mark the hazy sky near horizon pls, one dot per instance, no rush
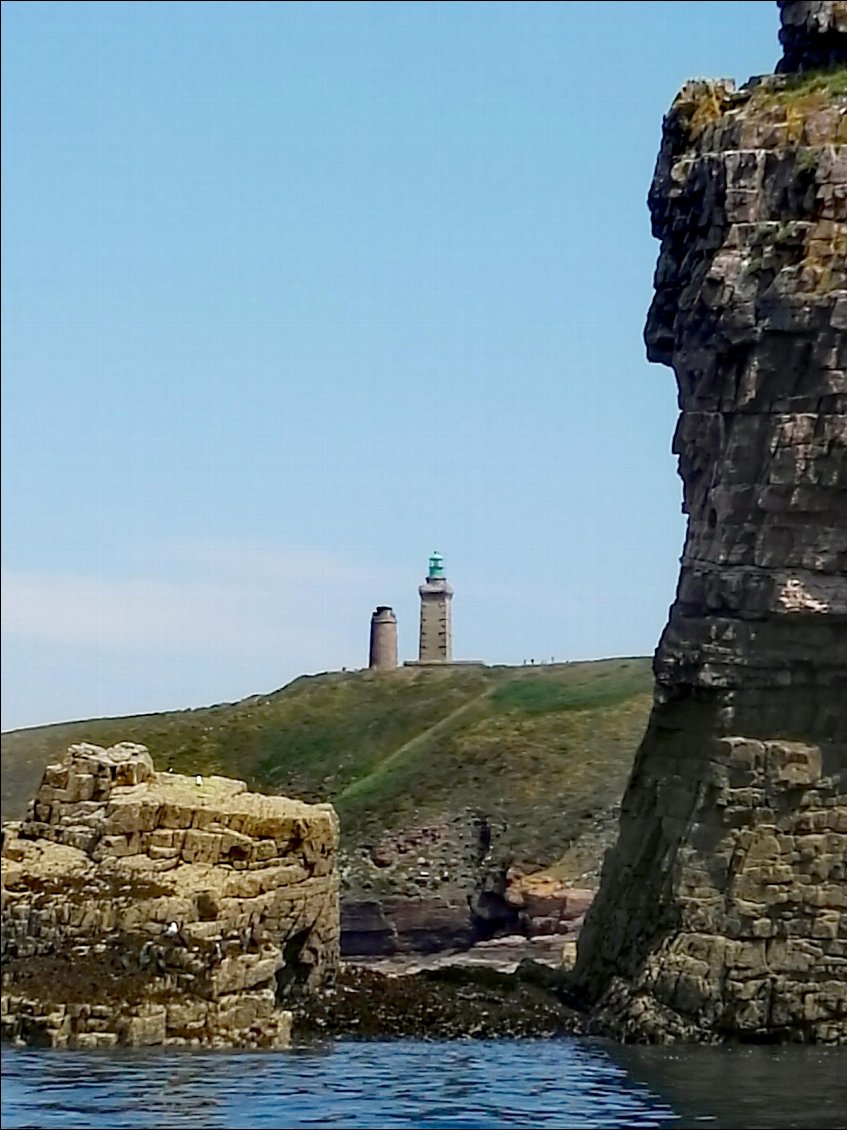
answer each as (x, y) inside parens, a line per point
(295, 293)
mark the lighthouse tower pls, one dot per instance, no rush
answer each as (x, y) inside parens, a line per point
(436, 642)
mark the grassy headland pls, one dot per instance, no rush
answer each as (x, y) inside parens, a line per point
(542, 752)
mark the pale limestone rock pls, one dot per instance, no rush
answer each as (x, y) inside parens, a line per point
(139, 908)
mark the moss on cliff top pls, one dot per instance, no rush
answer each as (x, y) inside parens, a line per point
(793, 88)
(775, 100)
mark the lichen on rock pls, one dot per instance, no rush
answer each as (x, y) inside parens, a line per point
(154, 908)
(722, 911)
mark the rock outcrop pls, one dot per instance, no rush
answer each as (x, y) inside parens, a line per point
(722, 911)
(442, 887)
(421, 889)
(153, 908)
(546, 905)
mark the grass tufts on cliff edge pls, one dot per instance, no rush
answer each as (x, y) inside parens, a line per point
(543, 752)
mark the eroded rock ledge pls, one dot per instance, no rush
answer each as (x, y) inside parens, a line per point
(722, 911)
(152, 908)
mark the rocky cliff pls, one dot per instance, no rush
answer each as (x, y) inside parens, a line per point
(154, 908)
(722, 911)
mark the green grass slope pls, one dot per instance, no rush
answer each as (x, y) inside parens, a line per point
(543, 752)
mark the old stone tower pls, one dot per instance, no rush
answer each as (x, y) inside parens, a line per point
(383, 650)
(436, 642)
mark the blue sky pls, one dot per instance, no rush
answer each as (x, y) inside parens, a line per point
(295, 293)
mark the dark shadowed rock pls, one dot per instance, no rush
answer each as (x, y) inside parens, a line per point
(405, 925)
(813, 34)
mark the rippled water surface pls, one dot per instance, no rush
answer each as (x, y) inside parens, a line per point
(503, 1083)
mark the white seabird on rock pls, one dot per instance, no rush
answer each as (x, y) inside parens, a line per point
(198, 780)
(172, 928)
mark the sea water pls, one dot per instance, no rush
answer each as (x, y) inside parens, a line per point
(409, 1083)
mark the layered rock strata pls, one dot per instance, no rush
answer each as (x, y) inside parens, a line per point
(152, 908)
(722, 911)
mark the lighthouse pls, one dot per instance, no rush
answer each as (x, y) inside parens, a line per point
(436, 642)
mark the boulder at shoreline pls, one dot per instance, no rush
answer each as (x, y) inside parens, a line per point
(156, 908)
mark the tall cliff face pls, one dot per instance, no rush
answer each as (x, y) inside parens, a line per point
(723, 908)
